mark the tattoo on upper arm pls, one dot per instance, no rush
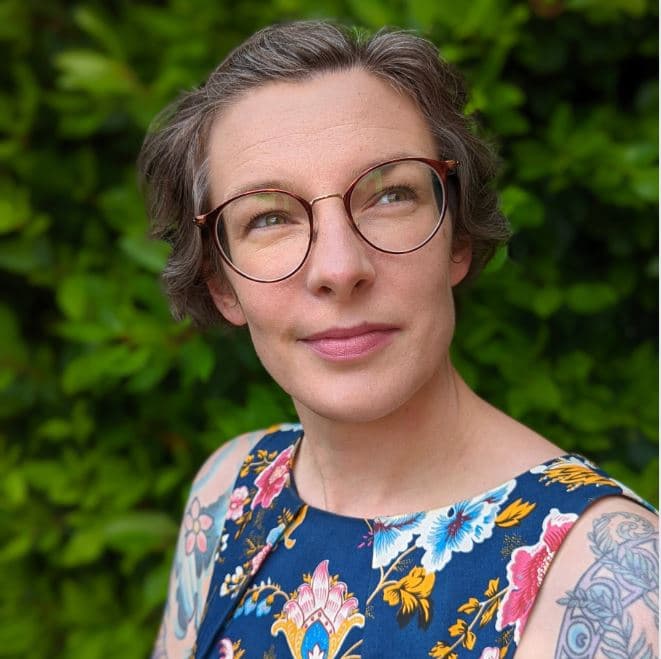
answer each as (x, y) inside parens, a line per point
(613, 611)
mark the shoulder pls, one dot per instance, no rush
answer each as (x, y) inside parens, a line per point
(200, 533)
(600, 594)
(219, 471)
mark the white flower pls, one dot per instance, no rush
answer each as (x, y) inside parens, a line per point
(316, 653)
(490, 653)
(231, 582)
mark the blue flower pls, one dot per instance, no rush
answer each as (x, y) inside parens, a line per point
(457, 528)
(263, 608)
(391, 536)
(249, 605)
(274, 534)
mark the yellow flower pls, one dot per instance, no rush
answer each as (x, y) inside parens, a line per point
(460, 628)
(238, 650)
(442, 651)
(573, 475)
(412, 593)
(514, 513)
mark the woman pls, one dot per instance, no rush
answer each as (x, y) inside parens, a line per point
(338, 199)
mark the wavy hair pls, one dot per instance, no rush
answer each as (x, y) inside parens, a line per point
(173, 162)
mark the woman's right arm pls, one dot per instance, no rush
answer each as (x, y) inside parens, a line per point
(200, 533)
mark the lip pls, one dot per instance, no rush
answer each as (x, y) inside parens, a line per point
(350, 343)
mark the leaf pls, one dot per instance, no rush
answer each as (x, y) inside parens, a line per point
(469, 607)
(547, 301)
(458, 628)
(590, 298)
(489, 612)
(613, 654)
(15, 209)
(638, 645)
(615, 643)
(521, 207)
(93, 72)
(84, 547)
(498, 261)
(514, 513)
(102, 365)
(442, 651)
(149, 254)
(146, 529)
(492, 588)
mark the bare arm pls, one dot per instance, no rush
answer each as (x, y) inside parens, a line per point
(599, 599)
(200, 533)
(614, 609)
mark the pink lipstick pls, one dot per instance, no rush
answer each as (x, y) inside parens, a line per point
(346, 344)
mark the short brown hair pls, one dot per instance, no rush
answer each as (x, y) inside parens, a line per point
(173, 160)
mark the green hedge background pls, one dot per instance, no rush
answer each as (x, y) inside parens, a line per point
(108, 407)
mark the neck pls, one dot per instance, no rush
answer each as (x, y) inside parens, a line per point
(410, 460)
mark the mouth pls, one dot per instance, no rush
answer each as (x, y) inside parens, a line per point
(350, 343)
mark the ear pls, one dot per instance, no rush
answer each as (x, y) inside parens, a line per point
(226, 301)
(460, 260)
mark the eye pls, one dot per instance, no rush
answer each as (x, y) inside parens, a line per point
(395, 195)
(266, 220)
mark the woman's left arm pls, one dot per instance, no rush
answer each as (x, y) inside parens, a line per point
(600, 596)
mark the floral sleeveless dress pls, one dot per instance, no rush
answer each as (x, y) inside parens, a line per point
(457, 582)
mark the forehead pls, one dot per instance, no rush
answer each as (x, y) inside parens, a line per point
(313, 135)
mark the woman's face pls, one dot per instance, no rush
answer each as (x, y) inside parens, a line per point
(356, 333)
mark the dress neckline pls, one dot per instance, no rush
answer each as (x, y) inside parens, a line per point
(483, 496)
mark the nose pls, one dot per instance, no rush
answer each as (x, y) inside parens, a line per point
(339, 264)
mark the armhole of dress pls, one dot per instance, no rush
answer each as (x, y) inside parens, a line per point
(206, 576)
(623, 493)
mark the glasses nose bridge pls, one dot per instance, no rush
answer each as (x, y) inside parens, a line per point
(337, 195)
(334, 195)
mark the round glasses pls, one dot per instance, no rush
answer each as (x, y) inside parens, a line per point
(396, 207)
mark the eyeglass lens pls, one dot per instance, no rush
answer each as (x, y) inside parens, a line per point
(396, 208)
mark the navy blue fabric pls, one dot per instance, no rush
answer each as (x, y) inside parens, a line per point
(296, 581)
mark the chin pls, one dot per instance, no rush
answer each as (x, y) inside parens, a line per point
(350, 407)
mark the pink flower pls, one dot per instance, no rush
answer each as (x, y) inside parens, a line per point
(527, 568)
(319, 600)
(271, 481)
(226, 651)
(238, 499)
(259, 557)
(490, 653)
(197, 524)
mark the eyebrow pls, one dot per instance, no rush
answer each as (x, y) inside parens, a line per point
(284, 184)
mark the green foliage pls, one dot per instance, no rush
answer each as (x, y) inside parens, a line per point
(108, 407)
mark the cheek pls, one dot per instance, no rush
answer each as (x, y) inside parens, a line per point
(266, 308)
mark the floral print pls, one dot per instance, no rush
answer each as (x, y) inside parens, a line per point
(459, 527)
(412, 594)
(390, 536)
(573, 473)
(259, 557)
(229, 650)
(238, 500)
(317, 618)
(197, 524)
(527, 568)
(232, 582)
(456, 582)
(271, 481)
